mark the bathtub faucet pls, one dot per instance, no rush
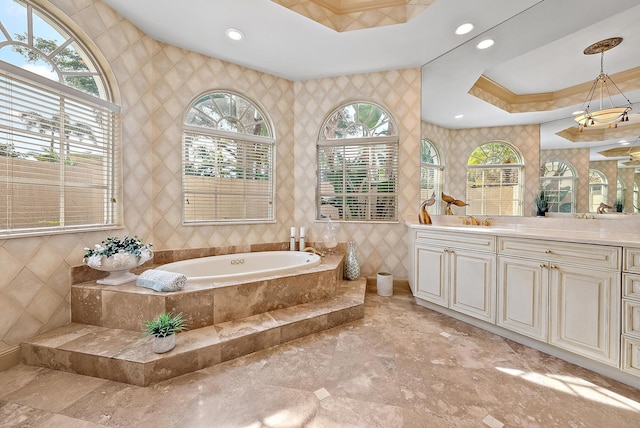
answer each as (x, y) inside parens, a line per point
(313, 250)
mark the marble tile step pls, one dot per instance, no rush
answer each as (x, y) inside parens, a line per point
(126, 356)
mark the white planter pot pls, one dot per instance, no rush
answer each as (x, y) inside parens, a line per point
(164, 344)
(118, 267)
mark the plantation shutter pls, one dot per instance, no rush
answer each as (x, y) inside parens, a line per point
(358, 180)
(58, 156)
(227, 179)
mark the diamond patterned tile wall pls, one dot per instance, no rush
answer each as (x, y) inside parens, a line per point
(457, 145)
(579, 159)
(379, 246)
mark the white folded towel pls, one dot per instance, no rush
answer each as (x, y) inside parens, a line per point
(161, 280)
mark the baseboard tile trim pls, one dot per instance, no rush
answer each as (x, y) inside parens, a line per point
(9, 358)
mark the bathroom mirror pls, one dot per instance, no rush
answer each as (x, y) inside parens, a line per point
(525, 90)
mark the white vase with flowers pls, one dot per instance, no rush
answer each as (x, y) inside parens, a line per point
(117, 256)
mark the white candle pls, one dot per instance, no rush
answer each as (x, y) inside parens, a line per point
(302, 232)
(293, 231)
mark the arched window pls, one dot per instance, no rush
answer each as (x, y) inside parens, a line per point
(228, 161)
(558, 181)
(357, 155)
(59, 129)
(431, 173)
(495, 180)
(598, 189)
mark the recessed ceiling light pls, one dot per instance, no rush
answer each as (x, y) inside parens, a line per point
(487, 43)
(464, 28)
(234, 34)
(458, 116)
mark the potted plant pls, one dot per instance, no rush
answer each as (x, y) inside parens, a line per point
(619, 206)
(164, 329)
(117, 256)
(542, 204)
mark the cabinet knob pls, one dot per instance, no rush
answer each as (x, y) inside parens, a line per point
(554, 267)
(542, 265)
(547, 251)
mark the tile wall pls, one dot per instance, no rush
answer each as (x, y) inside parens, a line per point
(380, 247)
(456, 145)
(579, 159)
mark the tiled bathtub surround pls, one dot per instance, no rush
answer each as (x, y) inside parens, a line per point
(225, 320)
(128, 306)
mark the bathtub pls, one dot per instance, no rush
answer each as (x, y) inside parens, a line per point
(242, 266)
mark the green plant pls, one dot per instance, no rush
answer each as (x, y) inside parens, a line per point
(114, 245)
(542, 202)
(165, 325)
(619, 206)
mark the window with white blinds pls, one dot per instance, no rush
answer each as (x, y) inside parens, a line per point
(495, 180)
(357, 169)
(58, 164)
(228, 161)
(59, 169)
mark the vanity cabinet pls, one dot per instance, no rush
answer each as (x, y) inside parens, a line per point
(567, 294)
(456, 271)
(630, 361)
(523, 295)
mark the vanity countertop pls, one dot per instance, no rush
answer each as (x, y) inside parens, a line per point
(583, 232)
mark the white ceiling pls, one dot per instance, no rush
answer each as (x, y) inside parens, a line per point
(538, 48)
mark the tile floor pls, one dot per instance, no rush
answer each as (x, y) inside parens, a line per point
(401, 366)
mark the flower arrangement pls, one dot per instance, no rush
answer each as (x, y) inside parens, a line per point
(119, 250)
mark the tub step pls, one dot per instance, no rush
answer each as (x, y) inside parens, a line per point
(126, 356)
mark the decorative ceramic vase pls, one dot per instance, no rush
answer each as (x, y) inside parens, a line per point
(118, 267)
(164, 344)
(351, 267)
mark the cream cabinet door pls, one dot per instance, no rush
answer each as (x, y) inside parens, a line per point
(431, 274)
(585, 312)
(473, 284)
(523, 292)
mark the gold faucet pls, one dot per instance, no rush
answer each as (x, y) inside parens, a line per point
(473, 221)
(313, 250)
